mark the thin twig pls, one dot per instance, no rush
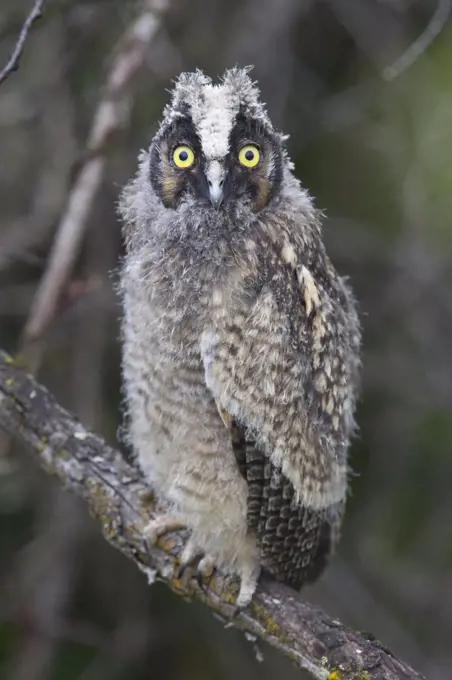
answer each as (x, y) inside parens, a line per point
(28, 235)
(13, 62)
(418, 47)
(119, 499)
(112, 115)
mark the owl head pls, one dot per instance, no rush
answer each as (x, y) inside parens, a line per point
(216, 145)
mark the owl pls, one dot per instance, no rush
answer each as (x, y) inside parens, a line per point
(240, 341)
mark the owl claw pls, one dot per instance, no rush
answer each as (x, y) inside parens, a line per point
(189, 556)
(181, 571)
(205, 565)
(200, 582)
(190, 553)
(204, 572)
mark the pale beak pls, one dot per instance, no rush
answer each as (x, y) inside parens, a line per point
(215, 180)
(216, 194)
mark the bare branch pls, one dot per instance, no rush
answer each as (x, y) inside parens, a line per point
(418, 47)
(112, 114)
(13, 62)
(121, 502)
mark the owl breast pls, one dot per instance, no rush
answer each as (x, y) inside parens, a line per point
(178, 437)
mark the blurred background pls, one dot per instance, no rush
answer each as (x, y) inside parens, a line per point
(371, 136)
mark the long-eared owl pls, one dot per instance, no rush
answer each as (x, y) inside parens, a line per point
(241, 341)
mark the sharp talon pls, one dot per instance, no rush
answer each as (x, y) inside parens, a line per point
(206, 569)
(190, 558)
(181, 571)
(200, 581)
(204, 579)
(210, 576)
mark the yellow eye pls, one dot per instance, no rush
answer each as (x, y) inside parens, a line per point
(183, 156)
(249, 155)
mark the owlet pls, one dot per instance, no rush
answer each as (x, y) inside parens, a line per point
(241, 342)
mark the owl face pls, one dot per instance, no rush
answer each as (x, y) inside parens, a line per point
(216, 146)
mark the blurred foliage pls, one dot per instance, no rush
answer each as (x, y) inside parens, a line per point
(377, 155)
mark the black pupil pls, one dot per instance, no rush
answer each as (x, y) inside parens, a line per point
(183, 155)
(249, 155)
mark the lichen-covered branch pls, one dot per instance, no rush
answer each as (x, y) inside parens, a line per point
(122, 504)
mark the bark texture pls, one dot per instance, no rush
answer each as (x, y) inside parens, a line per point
(122, 504)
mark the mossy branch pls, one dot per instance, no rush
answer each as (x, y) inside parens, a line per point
(121, 503)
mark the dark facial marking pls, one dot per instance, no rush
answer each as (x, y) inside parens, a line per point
(262, 182)
(258, 184)
(169, 182)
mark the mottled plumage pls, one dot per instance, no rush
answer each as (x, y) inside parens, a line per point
(241, 342)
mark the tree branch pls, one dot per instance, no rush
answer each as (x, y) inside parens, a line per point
(111, 116)
(13, 61)
(119, 499)
(419, 46)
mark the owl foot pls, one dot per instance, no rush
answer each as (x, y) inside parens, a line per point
(205, 564)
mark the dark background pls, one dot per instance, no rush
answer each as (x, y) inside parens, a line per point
(374, 146)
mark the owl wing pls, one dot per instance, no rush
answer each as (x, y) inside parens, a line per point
(295, 541)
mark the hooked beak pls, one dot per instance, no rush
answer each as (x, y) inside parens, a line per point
(216, 194)
(215, 180)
